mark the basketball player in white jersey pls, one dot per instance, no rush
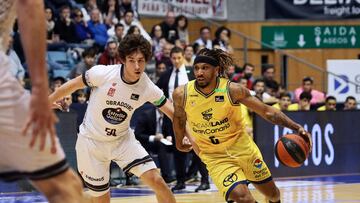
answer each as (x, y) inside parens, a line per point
(105, 134)
(37, 156)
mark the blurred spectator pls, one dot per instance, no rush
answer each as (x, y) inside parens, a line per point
(56, 83)
(111, 54)
(50, 24)
(222, 39)
(330, 104)
(259, 88)
(129, 21)
(243, 82)
(97, 29)
(158, 40)
(67, 101)
(272, 88)
(284, 102)
(169, 28)
(88, 61)
(16, 68)
(189, 55)
(350, 103)
(116, 32)
(303, 104)
(111, 12)
(133, 30)
(181, 23)
(160, 67)
(197, 48)
(150, 131)
(205, 38)
(79, 106)
(307, 86)
(247, 73)
(165, 55)
(88, 7)
(127, 5)
(81, 27)
(64, 27)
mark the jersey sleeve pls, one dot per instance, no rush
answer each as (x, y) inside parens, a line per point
(96, 75)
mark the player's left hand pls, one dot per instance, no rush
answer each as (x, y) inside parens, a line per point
(307, 137)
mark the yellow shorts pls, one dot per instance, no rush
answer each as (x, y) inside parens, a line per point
(235, 165)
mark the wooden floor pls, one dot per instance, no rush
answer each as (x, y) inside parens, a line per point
(291, 191)
(325, 189)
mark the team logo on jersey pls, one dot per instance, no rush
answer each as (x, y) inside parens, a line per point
(114, 116)
(111, 92)
(219, 98)
(207, 115)
(230, 179)
(135, 97)
(258, 163)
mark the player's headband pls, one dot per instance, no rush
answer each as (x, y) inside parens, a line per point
(206, 59)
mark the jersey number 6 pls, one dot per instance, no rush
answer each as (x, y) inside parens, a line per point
(214, 140)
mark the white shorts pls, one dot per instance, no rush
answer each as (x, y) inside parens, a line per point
(94, 157)
(17, 159)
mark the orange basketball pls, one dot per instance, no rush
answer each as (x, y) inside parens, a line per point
(291, 150)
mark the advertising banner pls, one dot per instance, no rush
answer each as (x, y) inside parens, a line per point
(339, 86)
(312, 9)
(314, 36)
(214, 9)
(336, 141)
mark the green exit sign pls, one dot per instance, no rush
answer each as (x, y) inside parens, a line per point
(305, 37)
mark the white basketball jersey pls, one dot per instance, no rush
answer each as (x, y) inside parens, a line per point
(113, 102)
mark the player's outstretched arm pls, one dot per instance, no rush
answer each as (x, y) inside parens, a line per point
(242, 95)
(41, 118)
(66, 89)
(179, 120)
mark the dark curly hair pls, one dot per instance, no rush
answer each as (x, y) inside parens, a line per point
(225, 59)
(132, 43)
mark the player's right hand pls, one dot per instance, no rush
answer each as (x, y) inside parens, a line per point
(40, 121)
(307, 137)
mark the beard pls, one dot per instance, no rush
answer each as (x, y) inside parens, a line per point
(202, 84)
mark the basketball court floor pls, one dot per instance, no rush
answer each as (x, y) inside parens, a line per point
(342, 188)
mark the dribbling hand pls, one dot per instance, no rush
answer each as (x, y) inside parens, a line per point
(307, 137)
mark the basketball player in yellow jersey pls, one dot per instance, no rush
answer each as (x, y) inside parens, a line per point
(210, 105)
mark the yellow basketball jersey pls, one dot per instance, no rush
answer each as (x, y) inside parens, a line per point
(215, 121)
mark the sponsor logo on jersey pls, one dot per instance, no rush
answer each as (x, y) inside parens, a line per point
(219, 98)
(94, 179)
(114, 116)
(258, 163)
(230, 179)
(111, 92)
(206, 114)
(135, 97)
(119, 103)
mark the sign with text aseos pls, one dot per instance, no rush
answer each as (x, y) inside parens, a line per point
(214, 9)
(312, 9)
(336, 141)
(340, 86)
(305, 37)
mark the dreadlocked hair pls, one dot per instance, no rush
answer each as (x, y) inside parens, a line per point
(225, 59)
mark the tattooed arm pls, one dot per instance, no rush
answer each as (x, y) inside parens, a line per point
(242, 95)
(179, 120)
